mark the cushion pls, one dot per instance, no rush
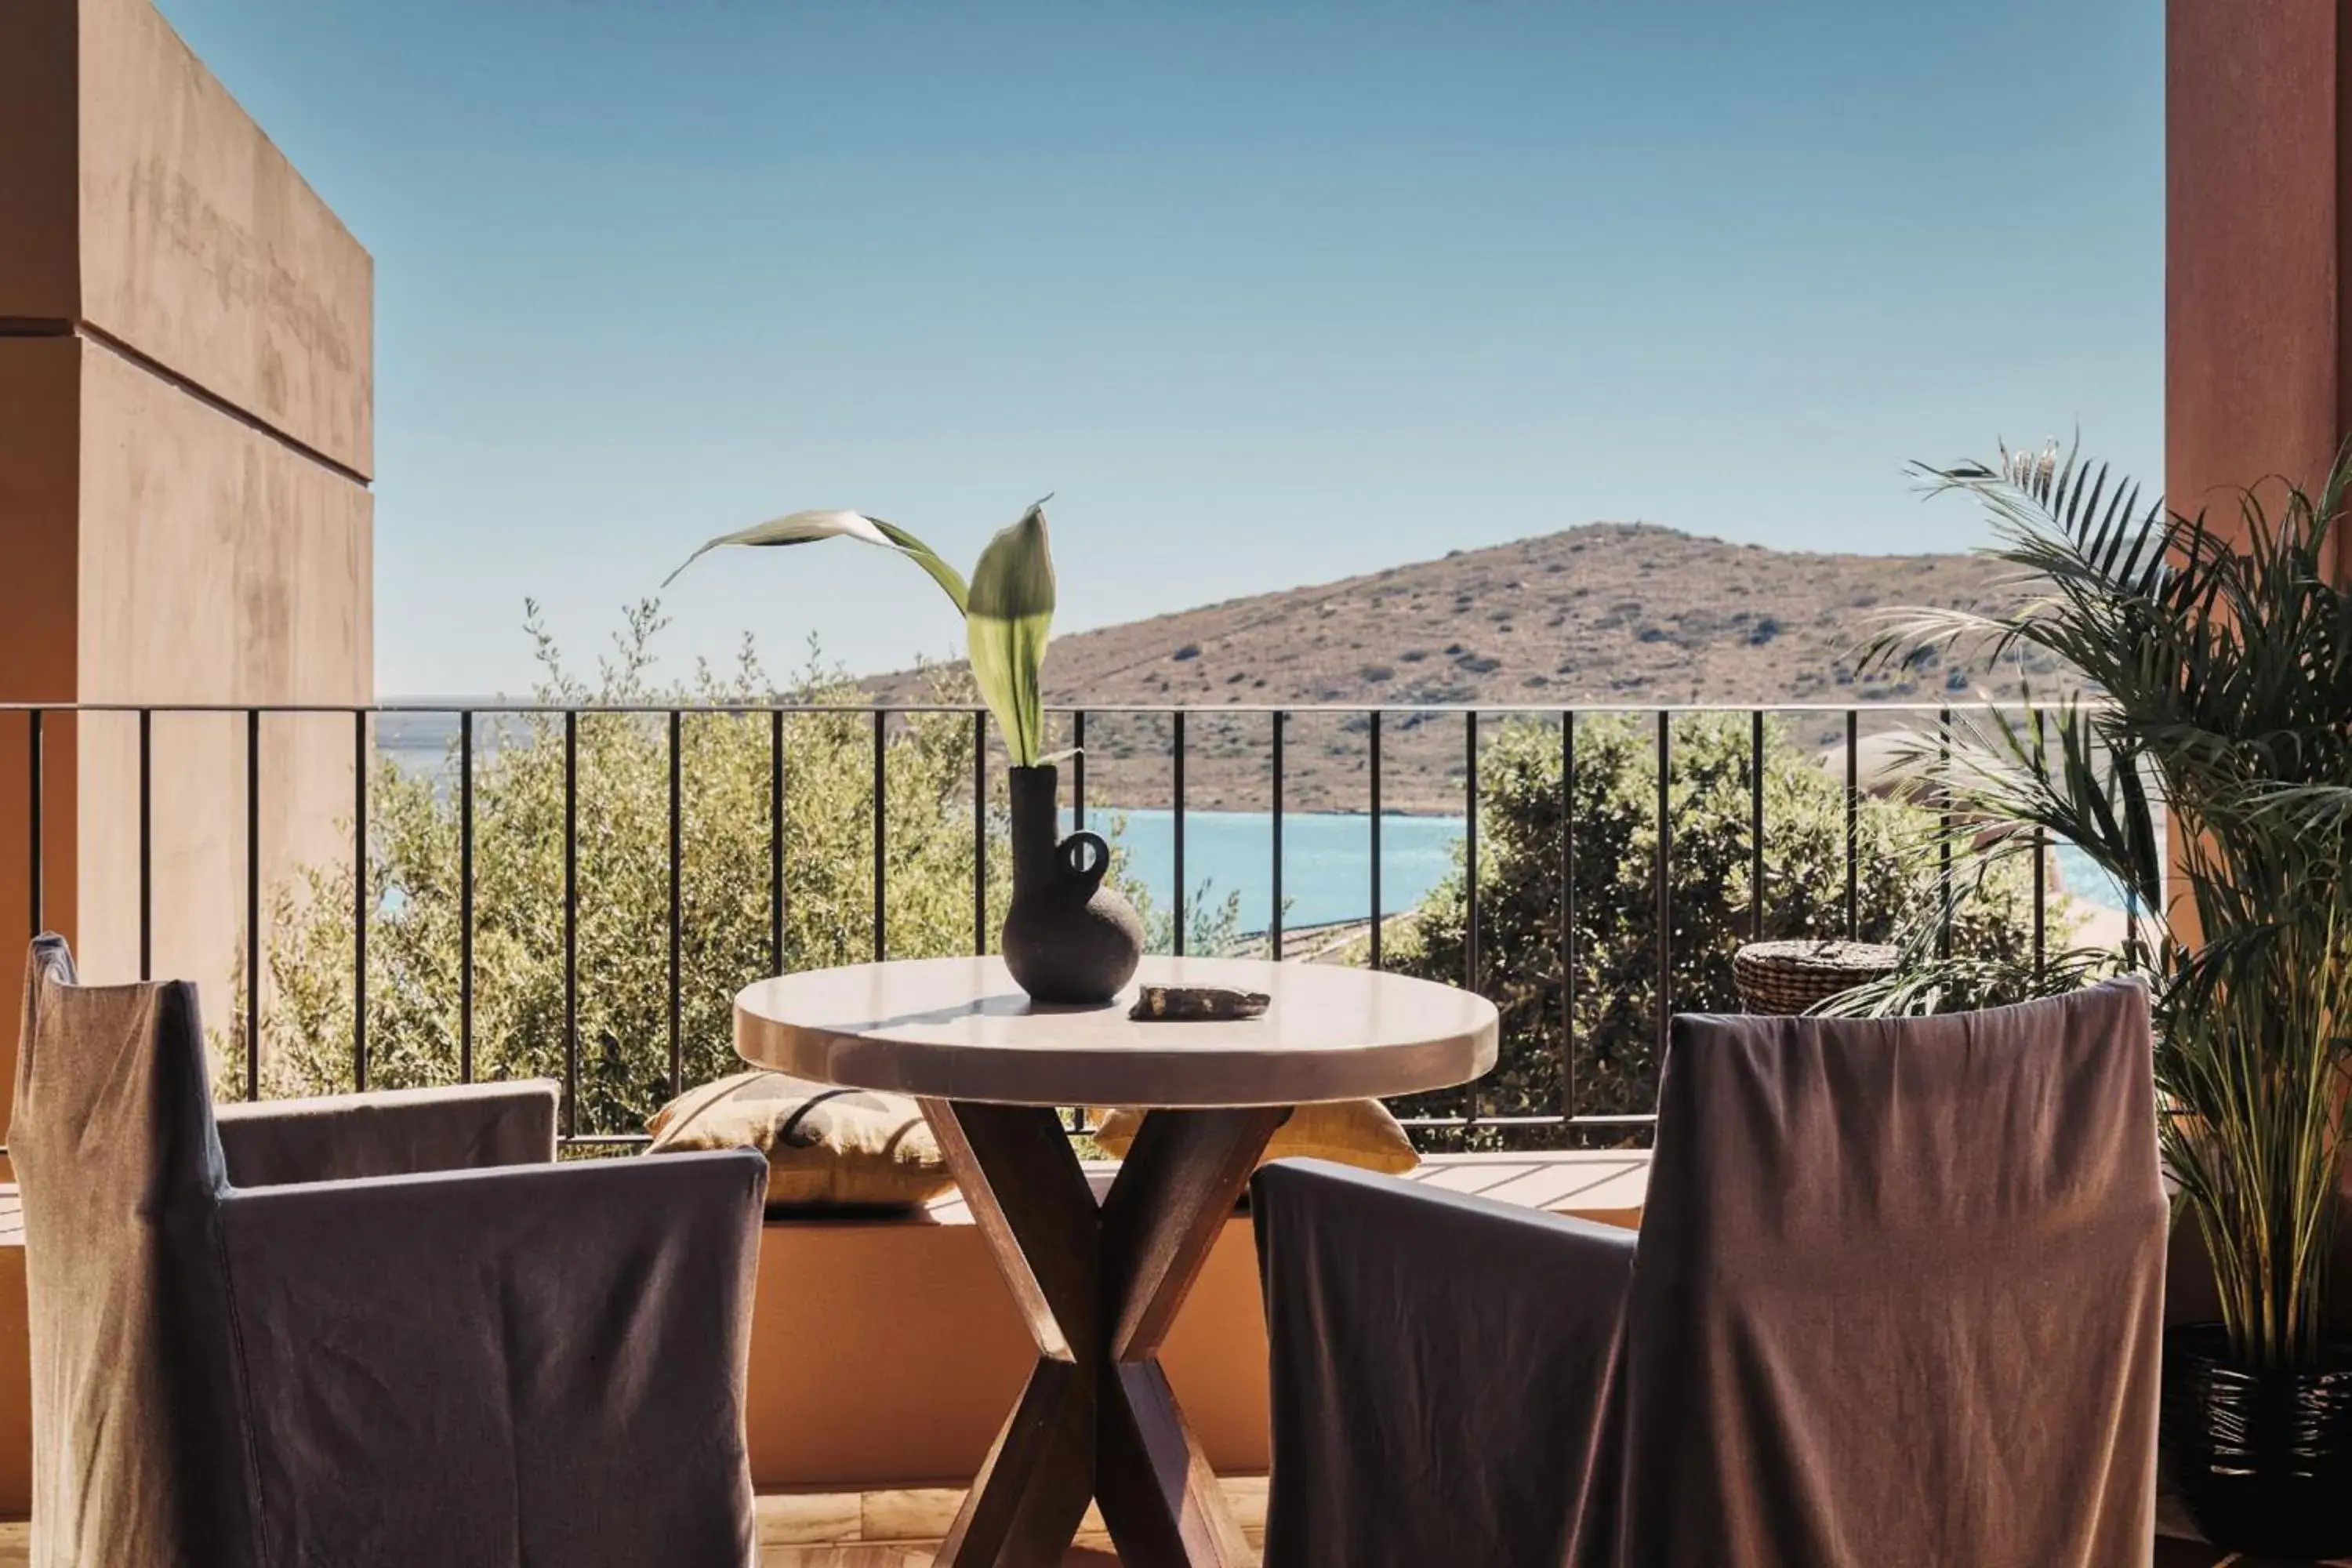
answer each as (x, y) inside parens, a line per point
(826, 1148)
(1358, 1133)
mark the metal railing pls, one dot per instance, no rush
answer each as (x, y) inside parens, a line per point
(36, 717)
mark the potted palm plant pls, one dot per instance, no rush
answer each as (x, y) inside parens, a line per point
(1069, 936)
(2221, 667)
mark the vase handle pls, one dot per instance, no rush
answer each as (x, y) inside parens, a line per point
(1084, 856)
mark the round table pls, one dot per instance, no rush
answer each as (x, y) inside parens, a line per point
(1099, 1285)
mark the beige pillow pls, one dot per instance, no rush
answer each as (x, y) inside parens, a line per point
(1357, 1132)
(846, 1148)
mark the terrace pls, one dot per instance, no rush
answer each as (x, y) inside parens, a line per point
(925, 1383)
(380, 895)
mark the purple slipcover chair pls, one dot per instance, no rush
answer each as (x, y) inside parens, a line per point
(375, 1329)
(1896, 1298)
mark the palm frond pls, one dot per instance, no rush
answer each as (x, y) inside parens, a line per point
(2216, 750)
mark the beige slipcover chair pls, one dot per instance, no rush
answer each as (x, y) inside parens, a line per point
(1896, 1298)
(379, 1329)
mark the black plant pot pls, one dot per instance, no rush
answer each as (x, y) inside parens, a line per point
(1067, 938)
(2260, 1458)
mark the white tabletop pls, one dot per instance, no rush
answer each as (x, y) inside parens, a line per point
(959, 1029)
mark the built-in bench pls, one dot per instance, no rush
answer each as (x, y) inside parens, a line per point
(885, 1351)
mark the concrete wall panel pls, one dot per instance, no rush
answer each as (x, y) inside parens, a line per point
(204, 250)
(216, 566)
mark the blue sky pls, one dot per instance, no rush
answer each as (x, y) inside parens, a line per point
(1268, 293)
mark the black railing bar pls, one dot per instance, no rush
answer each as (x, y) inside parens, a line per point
(570, 924)
(1549, 710)
(253, 903)
(466, 897)
(1470, 930)
(1078, 1126)
(1664, 887)
(1274, 914)
(1372, 739)
(146, 848)
(1568, 914)
(980, 835)
(1176, 830)
(881, 833)
(512, 710)
(1464, 1123)
(34, 792)
(2040, 900)
(2040, 875)
(1756, 826)
(1077, 768)
(1944, 833)
(676, 899)
(1471, 968)
(1852, 823)
(358, 900)
(776, 842)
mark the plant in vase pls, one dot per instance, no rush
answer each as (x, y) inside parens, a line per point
(1067, 937)
(2223, 663)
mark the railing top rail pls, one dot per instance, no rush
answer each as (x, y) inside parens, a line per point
(1290, 710)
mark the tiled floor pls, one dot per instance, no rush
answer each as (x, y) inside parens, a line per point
(866, 1530)
(901, 1529)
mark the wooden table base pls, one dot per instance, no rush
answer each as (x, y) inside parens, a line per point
(1099, 1286)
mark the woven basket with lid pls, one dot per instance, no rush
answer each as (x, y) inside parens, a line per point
(1797, 976)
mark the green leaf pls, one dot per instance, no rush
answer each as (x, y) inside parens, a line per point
(810, 527)
(924, 556)
(1008, 620)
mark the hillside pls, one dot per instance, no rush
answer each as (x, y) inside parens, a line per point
(1616, 614)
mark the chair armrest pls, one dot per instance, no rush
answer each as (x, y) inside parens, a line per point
(535, 1364)
(393, 1132)
(1431, 1345)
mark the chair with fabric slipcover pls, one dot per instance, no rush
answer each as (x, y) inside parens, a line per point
(380, 1329)
(1896, 1298)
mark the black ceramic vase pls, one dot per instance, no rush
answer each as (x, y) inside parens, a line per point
(1067, 938)
(2261, 1457)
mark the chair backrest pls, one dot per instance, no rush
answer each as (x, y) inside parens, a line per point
(139, 1448)
(1899, 1289)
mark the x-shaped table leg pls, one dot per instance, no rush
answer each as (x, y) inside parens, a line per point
(1099, 1286)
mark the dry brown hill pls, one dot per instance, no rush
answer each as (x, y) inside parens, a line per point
(1626, 614)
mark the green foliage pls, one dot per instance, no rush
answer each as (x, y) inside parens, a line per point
(622, 878)
(2225, 661)
(1615, 812)
(1212, 925)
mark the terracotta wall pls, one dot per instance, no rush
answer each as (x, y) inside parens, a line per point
(2258, 335)
(186, 389)
(2255, 225)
